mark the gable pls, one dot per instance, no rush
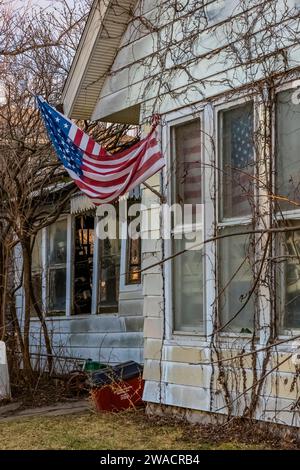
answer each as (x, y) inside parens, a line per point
(98, 45)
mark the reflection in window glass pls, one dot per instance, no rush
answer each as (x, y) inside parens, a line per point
(133, 247)
(235, 280)
(57, 289)
(58, 242)
(288, 149)
(237, 165)
(133, 275)
(288, 278)
(188, 163)
(109, 275)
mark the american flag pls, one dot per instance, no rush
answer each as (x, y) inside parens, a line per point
(102, 176)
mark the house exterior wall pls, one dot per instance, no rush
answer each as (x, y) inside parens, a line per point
(181, 370)
(145, 63)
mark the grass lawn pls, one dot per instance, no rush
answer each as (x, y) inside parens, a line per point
(127, 430)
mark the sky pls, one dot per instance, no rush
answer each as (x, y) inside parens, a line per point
(41, 3)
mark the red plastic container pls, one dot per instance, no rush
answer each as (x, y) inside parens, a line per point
(120, 395)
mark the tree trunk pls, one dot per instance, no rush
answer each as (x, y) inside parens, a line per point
(25, 244)
(44, 326)
(1, 287)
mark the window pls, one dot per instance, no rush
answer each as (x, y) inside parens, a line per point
(133, 275)
(237, 165)
(236, 198)
(83, 263)
(187, 287)
(36, 271)
(287, 251)
(56, 268)
(288, 151)
(187, 268)
(236, 262)
(133, 247)
(109, 276)
(288, 278)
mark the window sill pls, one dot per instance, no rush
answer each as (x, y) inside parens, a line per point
(236, 336)
(289, 336)
(82, 316)
(187, 339)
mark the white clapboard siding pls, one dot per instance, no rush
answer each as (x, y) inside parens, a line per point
(277, 410)
(4, 374)
(109, 338)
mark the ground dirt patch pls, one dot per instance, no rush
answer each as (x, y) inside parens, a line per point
(128, 430)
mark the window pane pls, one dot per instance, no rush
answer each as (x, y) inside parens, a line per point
(188, 163)
(133, 245)
(57, 290)
(188, 287)
(57, 267)
(288, 278)
(58, 242)
(83, 270)
(288, 150)
(237, 166)
(109, 275)
(133, 261)
(235, 280)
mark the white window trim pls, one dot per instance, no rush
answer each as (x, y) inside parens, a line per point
(45, 286)
(96, 271)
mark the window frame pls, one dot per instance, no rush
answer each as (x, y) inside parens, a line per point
(71, 266)
(45, 272)
(49, 268)
(127, 246)
(219, 107)
(284, 215)
(172, 120)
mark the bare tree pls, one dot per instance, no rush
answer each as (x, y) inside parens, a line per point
(34, 187)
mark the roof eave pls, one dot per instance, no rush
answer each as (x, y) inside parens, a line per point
(84, 83)
(81, 58)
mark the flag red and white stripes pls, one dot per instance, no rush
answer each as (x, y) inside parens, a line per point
(106, 177)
